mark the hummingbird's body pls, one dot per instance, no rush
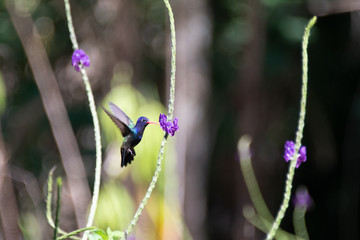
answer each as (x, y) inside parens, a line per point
(131, 132)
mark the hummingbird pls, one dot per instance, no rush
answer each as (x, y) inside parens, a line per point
(131, 132)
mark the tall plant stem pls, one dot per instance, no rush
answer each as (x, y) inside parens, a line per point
(299, 133)
(170, 116)
(95, 121)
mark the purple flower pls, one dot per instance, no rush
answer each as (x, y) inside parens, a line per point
(302, 198)
(164, 124)
(302, 157)
(79, 58)
(169, 127)
(290, 151)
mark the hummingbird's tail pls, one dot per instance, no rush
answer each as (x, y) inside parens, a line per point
(127, 155)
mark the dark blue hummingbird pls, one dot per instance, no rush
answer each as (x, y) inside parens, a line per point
(131, 132)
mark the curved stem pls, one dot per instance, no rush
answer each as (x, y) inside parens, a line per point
(95, 121)
(250, 179)
(98, 149)
(299, 133)
(170, 116)
(71, 234)
(299, 222)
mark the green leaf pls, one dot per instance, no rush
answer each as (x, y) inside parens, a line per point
(98, 234)
(114, 235)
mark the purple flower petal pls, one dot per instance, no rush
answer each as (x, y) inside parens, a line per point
(302, 156)
(164, 124)
(79, 58)
(174, 127)
(302, 198)
(167, 126)
(290, 151)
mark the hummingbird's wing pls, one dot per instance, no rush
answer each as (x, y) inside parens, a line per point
(120, 119)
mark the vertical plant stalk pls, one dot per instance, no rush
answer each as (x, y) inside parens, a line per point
(95, 121)
(70, 25)
(58, 206)
(48, 203)
(299, 222)
(173, 61)
(170, 116)
(49, 197)
(299, 133)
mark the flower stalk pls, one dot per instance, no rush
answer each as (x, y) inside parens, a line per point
(299, 133)
(170, 116)
(58, 206)
(95, 121)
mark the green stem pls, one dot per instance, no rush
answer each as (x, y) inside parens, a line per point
(48, 201)
(299, 133)
(150, 189)
(71, 234)
(58, 206)
(250, 179)
(70, 25)
(263, 220)
(95, 121)
(170, 116)
(49, 197)
(173, 61)
(263, 224)
(299, 222)
(98, 149)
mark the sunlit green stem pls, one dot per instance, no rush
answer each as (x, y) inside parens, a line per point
(150, 189)
(299, 133)
(48, 203)
(98, 149)
(173, 61)
(170, 116)
(70, 25)
(58, 206)
(49, 197)
(71, 234)
(95, 120)
(299, 222)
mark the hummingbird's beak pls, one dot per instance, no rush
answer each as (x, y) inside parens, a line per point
(152, 123)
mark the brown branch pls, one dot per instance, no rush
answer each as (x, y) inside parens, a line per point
(56, 113)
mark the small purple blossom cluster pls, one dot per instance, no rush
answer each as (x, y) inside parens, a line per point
(290, 151)
(302, 198)
(168, 126)
(79, 58)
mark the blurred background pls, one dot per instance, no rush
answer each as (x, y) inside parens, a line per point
(238, 72)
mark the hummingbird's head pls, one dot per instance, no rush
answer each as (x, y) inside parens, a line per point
(142, 122)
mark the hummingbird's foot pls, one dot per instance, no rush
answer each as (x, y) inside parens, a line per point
(132, 151)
